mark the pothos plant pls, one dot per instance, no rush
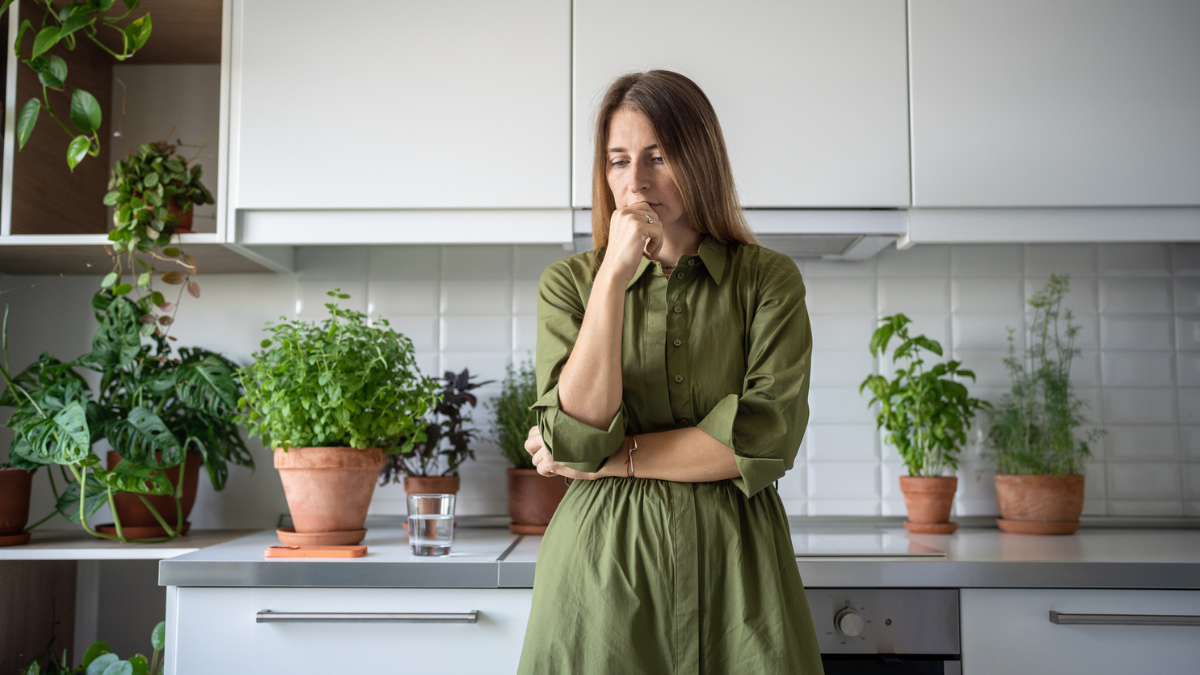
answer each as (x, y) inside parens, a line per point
(926, 412)
(343, 382)
(65, 25)
(150, 190)
(447, 435)
(152, 406)
(99, 659)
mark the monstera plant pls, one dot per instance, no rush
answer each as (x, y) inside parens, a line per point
(153, 406)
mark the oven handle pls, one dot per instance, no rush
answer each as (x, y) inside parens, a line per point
(268, 616)
(1123, 619)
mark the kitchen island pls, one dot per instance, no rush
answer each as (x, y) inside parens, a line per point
(467, 611)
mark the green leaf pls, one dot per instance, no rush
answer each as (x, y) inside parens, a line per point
(85, 111)
(140, 435)
(117, 342)
(122, 289)
(138, 32)
(111, 198)
(68, 500)
(158, 637)
(26, 120)
(52, 71)
(46, 38)
(208, 386)
(140, 665)
(62, 439)
(118, 668)
(152, 198)
(97, 649)
(78, 18)
(127, 476)
(26, 26)
(143, 279)
(109, 279)
(172, 251)
(131, 4)
(151, 180)
(77, 149)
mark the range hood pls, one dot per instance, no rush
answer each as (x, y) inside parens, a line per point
(828, 234)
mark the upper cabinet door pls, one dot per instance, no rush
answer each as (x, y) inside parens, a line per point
(1055, 102)
(380, 104)
(811, 94)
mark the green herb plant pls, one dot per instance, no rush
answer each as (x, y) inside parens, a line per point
(344, 382)
(511, 417)
(152, 406)
(926, 412)
(1033, 430)
(65, 25)
(447, 434)
(99, 660)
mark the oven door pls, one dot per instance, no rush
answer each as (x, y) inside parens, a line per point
(886, 664)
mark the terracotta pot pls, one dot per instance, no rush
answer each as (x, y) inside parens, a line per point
(328, 489)
(1039, 504)
(928, 501)
(185, 219)
(14, 500)
(133, 513)
(419, 485)
(532, 500)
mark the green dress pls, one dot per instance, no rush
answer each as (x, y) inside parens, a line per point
(649, 576)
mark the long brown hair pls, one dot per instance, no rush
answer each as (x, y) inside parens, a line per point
(693, 149)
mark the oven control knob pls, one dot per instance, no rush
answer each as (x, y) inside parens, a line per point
(849, 623)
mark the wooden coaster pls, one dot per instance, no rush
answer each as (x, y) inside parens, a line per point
(1038, 526)
(526, 529)
(930, 528)
(15, 539)
(144, 532)
(291, 537)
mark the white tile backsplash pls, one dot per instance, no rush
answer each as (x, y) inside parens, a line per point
(1151, 260)
(475, 306)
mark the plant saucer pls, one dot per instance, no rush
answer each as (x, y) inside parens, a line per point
(141, 531)
(930, 528)
(14, 539)
(290, 537)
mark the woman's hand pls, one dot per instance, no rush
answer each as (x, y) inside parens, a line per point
(631, 236)
(545, 463)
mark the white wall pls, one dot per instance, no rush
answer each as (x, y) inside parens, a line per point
(474, 306)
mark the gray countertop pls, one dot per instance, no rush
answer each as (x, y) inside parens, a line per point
(829, 555)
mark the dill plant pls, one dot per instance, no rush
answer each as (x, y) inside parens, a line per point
(511, 416)
(1033, 429)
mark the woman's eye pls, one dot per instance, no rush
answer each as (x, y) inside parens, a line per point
(657, 159)
(619, 162)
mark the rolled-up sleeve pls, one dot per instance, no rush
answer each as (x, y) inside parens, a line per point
(572, 443)
(766, 423)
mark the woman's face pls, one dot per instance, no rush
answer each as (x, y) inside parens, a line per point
(636, 170)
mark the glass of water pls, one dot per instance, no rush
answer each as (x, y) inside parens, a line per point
(430, 523)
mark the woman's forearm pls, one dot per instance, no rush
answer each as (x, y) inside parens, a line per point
(589, 387)
(687, 455)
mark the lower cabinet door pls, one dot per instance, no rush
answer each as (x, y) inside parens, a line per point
(300, 631)
(1097, 631)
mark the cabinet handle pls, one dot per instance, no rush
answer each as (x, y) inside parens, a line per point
(1123, 619)
(267, 616)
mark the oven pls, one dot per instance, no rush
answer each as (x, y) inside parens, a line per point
(893, 631)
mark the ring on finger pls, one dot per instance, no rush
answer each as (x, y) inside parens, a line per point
(649, 220)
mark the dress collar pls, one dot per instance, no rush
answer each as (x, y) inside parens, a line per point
(711, 252)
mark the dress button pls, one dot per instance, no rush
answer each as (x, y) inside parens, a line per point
(678, 309)
(678, 342)
(679, 378)
(692, 261)
(679, 275)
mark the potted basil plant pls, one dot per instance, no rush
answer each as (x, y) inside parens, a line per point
(1039, 458)
(334, 399)
(532, 497)
(927, 414)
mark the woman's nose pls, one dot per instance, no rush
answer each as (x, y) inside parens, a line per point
(641, 177)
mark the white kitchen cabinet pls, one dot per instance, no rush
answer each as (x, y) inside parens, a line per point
(1050, 103)
(223, 634)
(1007, 631)
(811, 94)
(377, 104)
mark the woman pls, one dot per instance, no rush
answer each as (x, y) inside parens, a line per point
(673, 403)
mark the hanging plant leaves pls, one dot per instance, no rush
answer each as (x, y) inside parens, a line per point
(26, 120)
(138, 32)
(130, 477)
(193, 288)
(85, 111)
(174, 277)
(77, 149)
(46, 38)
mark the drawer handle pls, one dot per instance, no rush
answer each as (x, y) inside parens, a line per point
(1123, 619)
(267, 616)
